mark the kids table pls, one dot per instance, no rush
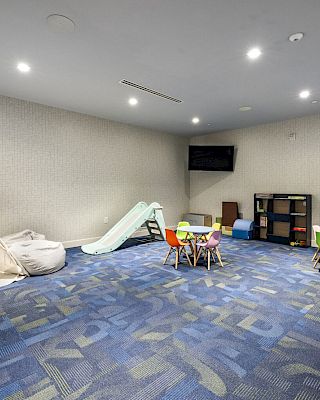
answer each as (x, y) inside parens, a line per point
(197, 231)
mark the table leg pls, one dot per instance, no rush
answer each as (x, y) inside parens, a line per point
(195, 254)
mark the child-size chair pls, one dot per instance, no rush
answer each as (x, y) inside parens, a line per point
(183, 235)
(211, 248)
(315, 228)
(317, 258)
(177, 246)
(216, 227)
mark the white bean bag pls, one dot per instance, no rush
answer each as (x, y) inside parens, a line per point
(22, 237)
(39, 257)
(10, 268)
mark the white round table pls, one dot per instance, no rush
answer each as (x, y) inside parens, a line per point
(196, 230)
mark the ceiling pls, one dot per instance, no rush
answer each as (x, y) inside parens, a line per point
(192, 50)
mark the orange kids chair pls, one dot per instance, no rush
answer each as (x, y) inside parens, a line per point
(177, 246)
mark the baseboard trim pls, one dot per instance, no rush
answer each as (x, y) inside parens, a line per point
(79, 242)
(140, 232)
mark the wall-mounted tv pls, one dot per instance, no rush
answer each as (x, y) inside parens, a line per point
(211, 158)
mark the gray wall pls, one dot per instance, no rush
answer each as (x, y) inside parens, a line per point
(61, 172)
(266, 161)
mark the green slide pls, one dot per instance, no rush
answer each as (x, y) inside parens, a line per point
(141, 213)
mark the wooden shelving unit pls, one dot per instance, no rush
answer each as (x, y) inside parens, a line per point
(283, 218)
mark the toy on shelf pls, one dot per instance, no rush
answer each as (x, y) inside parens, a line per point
(298, 243)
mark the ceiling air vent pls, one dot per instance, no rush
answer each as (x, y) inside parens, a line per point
(145, 89)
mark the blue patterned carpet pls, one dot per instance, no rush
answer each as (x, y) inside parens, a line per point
(123, 326)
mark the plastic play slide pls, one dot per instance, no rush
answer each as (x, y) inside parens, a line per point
(137, 216)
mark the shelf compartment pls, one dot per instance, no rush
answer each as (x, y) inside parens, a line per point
(278, 239)
(278, 217)
(300, 207)
(281, 229)
(263, 233)
(299, 221)
(298, 236)
(281, 206)
(261, 205)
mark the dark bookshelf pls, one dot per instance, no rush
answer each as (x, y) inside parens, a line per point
(276, 216)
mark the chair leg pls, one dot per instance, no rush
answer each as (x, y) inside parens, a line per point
(213, 254)
(195, 250)
(167, 256)
(316, 262)
(209, 258)
(177, 258)
(187, 255)
(199, 254)
(219, 256)
(315, 254)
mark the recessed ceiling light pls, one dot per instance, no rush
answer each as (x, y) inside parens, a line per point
(315, 102)
(60, 24)
(304, 94)
(195, 120)
(254, 53)
(133, 101)
(296, 37)
(245, 108)
(23, 67)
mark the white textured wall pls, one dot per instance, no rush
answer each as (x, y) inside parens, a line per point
(62, 172)
(266, 161)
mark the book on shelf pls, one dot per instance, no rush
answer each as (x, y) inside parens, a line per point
(296, 197)
(298, 229)
(260, 206)
(264, 195)
(263, 222)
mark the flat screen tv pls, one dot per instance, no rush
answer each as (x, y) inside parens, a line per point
(211, 158)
